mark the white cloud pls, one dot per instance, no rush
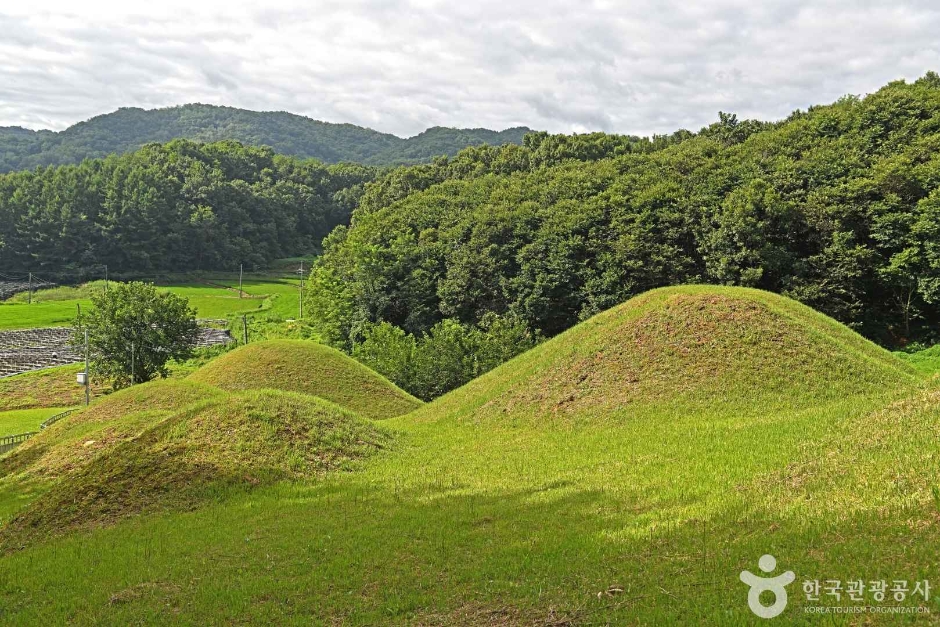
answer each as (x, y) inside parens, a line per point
(401, 66)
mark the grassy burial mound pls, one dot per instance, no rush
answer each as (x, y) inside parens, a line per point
(72, 442)
(310, 368)
(51, 387)
(689, 346)
(236, 440)
(796, 438)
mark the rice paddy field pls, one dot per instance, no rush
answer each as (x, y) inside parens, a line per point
(213, 297)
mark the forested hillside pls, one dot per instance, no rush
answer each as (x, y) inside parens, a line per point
(128, 129)
(172, 207)
(838, 207)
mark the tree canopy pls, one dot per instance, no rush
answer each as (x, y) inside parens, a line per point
(134, 330)
(172, 207)
(837, 206)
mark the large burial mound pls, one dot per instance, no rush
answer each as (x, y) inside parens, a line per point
(232, 441)
(71, 443)
(688, 347)
(310, 368)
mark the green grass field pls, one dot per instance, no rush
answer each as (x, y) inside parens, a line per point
(214, 297)
(624, 472)
(926, 361)
(25, 420)
(51, 314)
(212, 301)
(282, 295)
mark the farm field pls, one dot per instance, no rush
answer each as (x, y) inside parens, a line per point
(281, 295)
(214, 298)
(37, 315)
(212, 301)
(624, 472)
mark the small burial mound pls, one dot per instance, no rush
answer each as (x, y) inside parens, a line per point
(688, 347)
(227, 443)
(309, 368)
(72, 442)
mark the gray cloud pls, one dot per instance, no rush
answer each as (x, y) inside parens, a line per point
(403, 65)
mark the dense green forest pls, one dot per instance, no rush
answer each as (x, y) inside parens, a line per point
(837, 206)
(172, 207)
(128, 129)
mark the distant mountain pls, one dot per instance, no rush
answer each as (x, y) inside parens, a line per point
(127, 129)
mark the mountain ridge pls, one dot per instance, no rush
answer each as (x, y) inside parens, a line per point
(128, 128)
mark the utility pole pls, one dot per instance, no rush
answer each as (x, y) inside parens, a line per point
(245, 328)
(30, 297)
(241, 272)
(87, 382)
(301, 317)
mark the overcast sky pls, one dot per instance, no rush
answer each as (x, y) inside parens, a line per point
(401, 66)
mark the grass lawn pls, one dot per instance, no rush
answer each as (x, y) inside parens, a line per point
(25, 420)
(56, 387)
(624, 472)
(926, 361)
(310, 368)
(464, 523)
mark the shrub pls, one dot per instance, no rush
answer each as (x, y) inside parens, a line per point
(448, 356)
(134, 330)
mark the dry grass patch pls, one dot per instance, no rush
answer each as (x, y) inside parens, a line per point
(690, 346)
(51, 387)
(71, 443)
(232, 442)
(309, 368)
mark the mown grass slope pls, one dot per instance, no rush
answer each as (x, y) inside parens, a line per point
(626, 504)
(229, 441)
(72, 442)
(685, 348)
(926, 361)
(309, 368)
(50, 387)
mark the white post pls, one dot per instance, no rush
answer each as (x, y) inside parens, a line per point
(301, 317)
(87, 385)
